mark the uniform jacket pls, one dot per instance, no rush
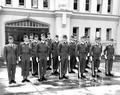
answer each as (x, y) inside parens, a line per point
(81, 50)
(34, 48)
(55, 48)
(64, 49)
(109, 51)
(42, 50)
(72, 48)
(96, 51)
(11, 53)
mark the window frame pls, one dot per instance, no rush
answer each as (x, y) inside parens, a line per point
(100, 6)
(108, 36)
(89, 5)
(110, 5)
(8, 4)
(87, 31)
(100, 29)
(48, 5)
(32, 4)
(22, 5)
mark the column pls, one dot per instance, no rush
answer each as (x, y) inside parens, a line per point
(92, 34)
(40, 4)
(94, 6)
(28, 4)
(104, 6)
(15, 3)
(82, 5)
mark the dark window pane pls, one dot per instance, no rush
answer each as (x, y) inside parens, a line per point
(75, 4)
(21, 2)
(8, 1)
(45, 3)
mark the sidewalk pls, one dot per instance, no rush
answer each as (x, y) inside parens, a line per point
(54, 86)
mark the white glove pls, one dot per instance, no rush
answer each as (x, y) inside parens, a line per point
(86, 58)
(88, 54)
(105, 57)
(30, 58)
(77, 59)
(99, 58)
(91, 58)
(68, 57)
(5, 62)
(59, 58)
(47, 58)
(37, 59)
(113, 57)
(19, 59)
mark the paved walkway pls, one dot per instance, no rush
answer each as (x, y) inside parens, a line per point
(54, 86)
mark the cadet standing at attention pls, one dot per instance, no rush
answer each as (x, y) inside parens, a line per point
(63, 57)
(55, 50)
(81, 56)
(25, 56)
(11, 56)
(109, 57)
(49, 42)
(72, 52)
(42, 53)
(96, 51)
(34, 54)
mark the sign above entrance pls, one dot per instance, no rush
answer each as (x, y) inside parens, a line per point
(27, 23)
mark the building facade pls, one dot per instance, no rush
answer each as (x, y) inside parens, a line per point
(93, 18)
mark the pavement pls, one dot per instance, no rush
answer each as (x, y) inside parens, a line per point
(53, 86)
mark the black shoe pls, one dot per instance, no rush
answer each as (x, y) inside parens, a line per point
(56, 73)
(10, 82)
(40, 80)
(49, 68)
(86, 71)
(87, 67)
(60, 78)
(23, 80)
(106, 74)
(76, 68)
(27, 80)
(93, 76)
(43, 78)
(82, 76)
(53, 73)
(99, 71)
(111, 75)
(13, 81)
(65, 77)
(97, 76)
(71, 71)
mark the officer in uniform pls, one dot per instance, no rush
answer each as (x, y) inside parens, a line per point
(42, 53)
(11, 56)
(88, 52)
(55, 49)
(96, 51)
(72, 52)
(81, 56)
(25, 56)
(109, 57)
(49, 42)
(63, 57)
(34, 54)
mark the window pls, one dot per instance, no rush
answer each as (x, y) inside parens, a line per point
(98, 33)
(75, 32)
(45, 3)
(87, 32)
(87, 6)
(75, 5)
(21, 2)
(99, 6)
(8, 2)
(109, 6)
(34, 3)
(108, 34)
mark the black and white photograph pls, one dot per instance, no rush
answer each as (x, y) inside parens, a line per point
(59, 47)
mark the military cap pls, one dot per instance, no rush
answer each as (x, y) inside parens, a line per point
(10, 37)
(25, 36)
(65, 36)
(56, 36)
(42, 34)
(36, 35)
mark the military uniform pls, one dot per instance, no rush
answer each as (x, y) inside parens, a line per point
(64, 53)
(34, 55)
(109, 52)
(49, 43)
(11, 55)
(82, 54)
(72, 52)
(42, 53)
(55, 51)
(96, 51)
(25, 54)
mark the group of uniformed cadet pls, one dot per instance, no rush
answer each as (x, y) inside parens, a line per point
(37, 56)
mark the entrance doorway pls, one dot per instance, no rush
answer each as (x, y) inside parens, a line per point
(25, 26)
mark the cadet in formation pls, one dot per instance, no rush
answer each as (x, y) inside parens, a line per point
(55, 52)
(96, 51)
(63, 57)
(11, 56)
(81, 57)
(34, 54)
(43, 56)
(109, 57)
(25, 56)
